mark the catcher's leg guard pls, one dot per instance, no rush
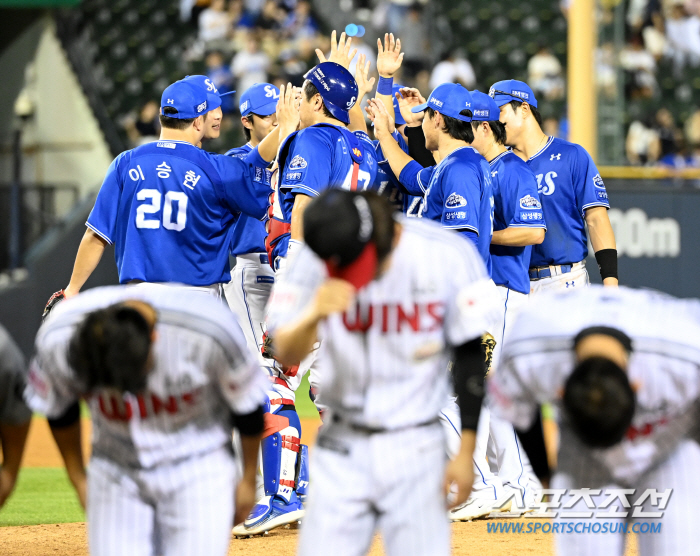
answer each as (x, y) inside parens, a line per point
(303, 471)
(280, 451)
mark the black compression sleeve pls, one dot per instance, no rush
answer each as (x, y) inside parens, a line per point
(250, 424)
(607, 263)
(468, 371)
(69, 417)
(416, 146)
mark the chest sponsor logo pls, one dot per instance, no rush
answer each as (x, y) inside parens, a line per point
(529, 202)
(455, 201)
(394, 318)
(598, 181)
(545, 183)
(115, 408)
(297, 163)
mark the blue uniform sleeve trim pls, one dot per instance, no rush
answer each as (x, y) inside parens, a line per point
(526, 226)
(462, 227)
(590, 205)
(303, 189)
(99, 233)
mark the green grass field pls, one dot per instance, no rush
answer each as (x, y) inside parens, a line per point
(44, 495)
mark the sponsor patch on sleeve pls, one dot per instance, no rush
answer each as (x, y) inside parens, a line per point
(530, 202)
(455, 201)
(292, 176)
(602, 195)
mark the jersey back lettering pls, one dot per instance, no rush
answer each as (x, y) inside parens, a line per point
(168, 208)
(569, 183)
(517, 204)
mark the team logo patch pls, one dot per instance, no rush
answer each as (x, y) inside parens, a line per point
(297, 163)
(455, 201)
(598, 181)
(271, 92)
(202, 106)
(529, 202)
(210, 86)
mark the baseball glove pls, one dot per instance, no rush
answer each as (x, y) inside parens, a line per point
(54, 300)
(488, 344)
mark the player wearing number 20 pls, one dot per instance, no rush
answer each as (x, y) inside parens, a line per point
(168, 207)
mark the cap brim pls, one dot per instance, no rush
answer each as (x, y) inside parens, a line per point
(361, 271)
(501, 100)
(227, 93)
(419, 108)
(264, 110)
(213, 101)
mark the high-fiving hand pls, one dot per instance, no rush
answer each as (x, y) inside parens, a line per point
(341, 52)
(389, 55)
(287, 111)
(364, 84)
(409, 98)
(383, 123)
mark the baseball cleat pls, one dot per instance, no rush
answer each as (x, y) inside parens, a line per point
(475, 508)
(270, 513)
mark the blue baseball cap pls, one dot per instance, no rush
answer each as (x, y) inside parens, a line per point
(449, 99)
(398, 118)
(213, 95)
(190, 100)
(260, 99)
(484, 108)
(511, 89)
(337, 87)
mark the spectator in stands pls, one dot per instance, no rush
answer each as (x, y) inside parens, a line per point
(640, 68)
(606, 71)
(692, 129)
(415, 46)
(545, 74)
(643, 146)
(222, 78)
(271, 17)
(670, 137)
(215, 25)
(683, 34)
(145, 128)
(251, 65)
(300, 23)
(453, 68)
(293, 67)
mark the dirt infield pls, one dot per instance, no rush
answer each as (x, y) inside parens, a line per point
(70, 538)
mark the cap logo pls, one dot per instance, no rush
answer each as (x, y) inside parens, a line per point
(468, 104)
(436, 102)
(171, 101)
(210, 86)
(483, 113)
(365, 215)
(350, 103)
(245, 105)
(492, 92)
(202, 106)
(270, 92)
(520, 94)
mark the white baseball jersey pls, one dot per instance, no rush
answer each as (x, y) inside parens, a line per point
(538, 358)
(383, 361)
(202, 372)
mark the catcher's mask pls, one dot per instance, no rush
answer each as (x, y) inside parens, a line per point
(340, 227)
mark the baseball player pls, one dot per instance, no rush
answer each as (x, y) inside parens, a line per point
(14, 413)
(458, 193)
(212, 123)
(622, 367)
(388, 297)
(165, 372)
(572, 193)
(168, 207)
(518, 224)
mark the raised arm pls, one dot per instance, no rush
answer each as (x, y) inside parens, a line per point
(287, 123)
(397, 159)
(389, 59)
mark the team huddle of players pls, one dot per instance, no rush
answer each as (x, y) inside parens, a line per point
(330, 280)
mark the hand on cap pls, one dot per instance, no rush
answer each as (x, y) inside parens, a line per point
(389, 55)
(364, 84)
(333, 296)
(409, 98)
(287, 111)
(340, 51)
(383, 123)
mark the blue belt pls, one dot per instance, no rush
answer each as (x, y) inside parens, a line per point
(545, 272)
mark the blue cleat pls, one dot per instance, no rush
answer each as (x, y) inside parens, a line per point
(270, 513)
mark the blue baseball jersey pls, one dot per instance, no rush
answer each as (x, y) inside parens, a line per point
(386, 183)
(319, 158)
(569, 183)
(168, 207)
(516, 204)
(248, 233)
(459, 195)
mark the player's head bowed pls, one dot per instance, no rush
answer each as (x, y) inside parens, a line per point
(599, 400)
(112, 347)
(352, 232)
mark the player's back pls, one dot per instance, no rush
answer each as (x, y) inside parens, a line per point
(168, 207)
(516, 204)
(460, 197)
(569, 183)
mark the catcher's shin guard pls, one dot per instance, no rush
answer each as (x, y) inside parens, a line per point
(302, 478)
(280, 451)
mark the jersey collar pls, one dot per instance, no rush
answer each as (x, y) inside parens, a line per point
(499, 157)
(538, 153)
